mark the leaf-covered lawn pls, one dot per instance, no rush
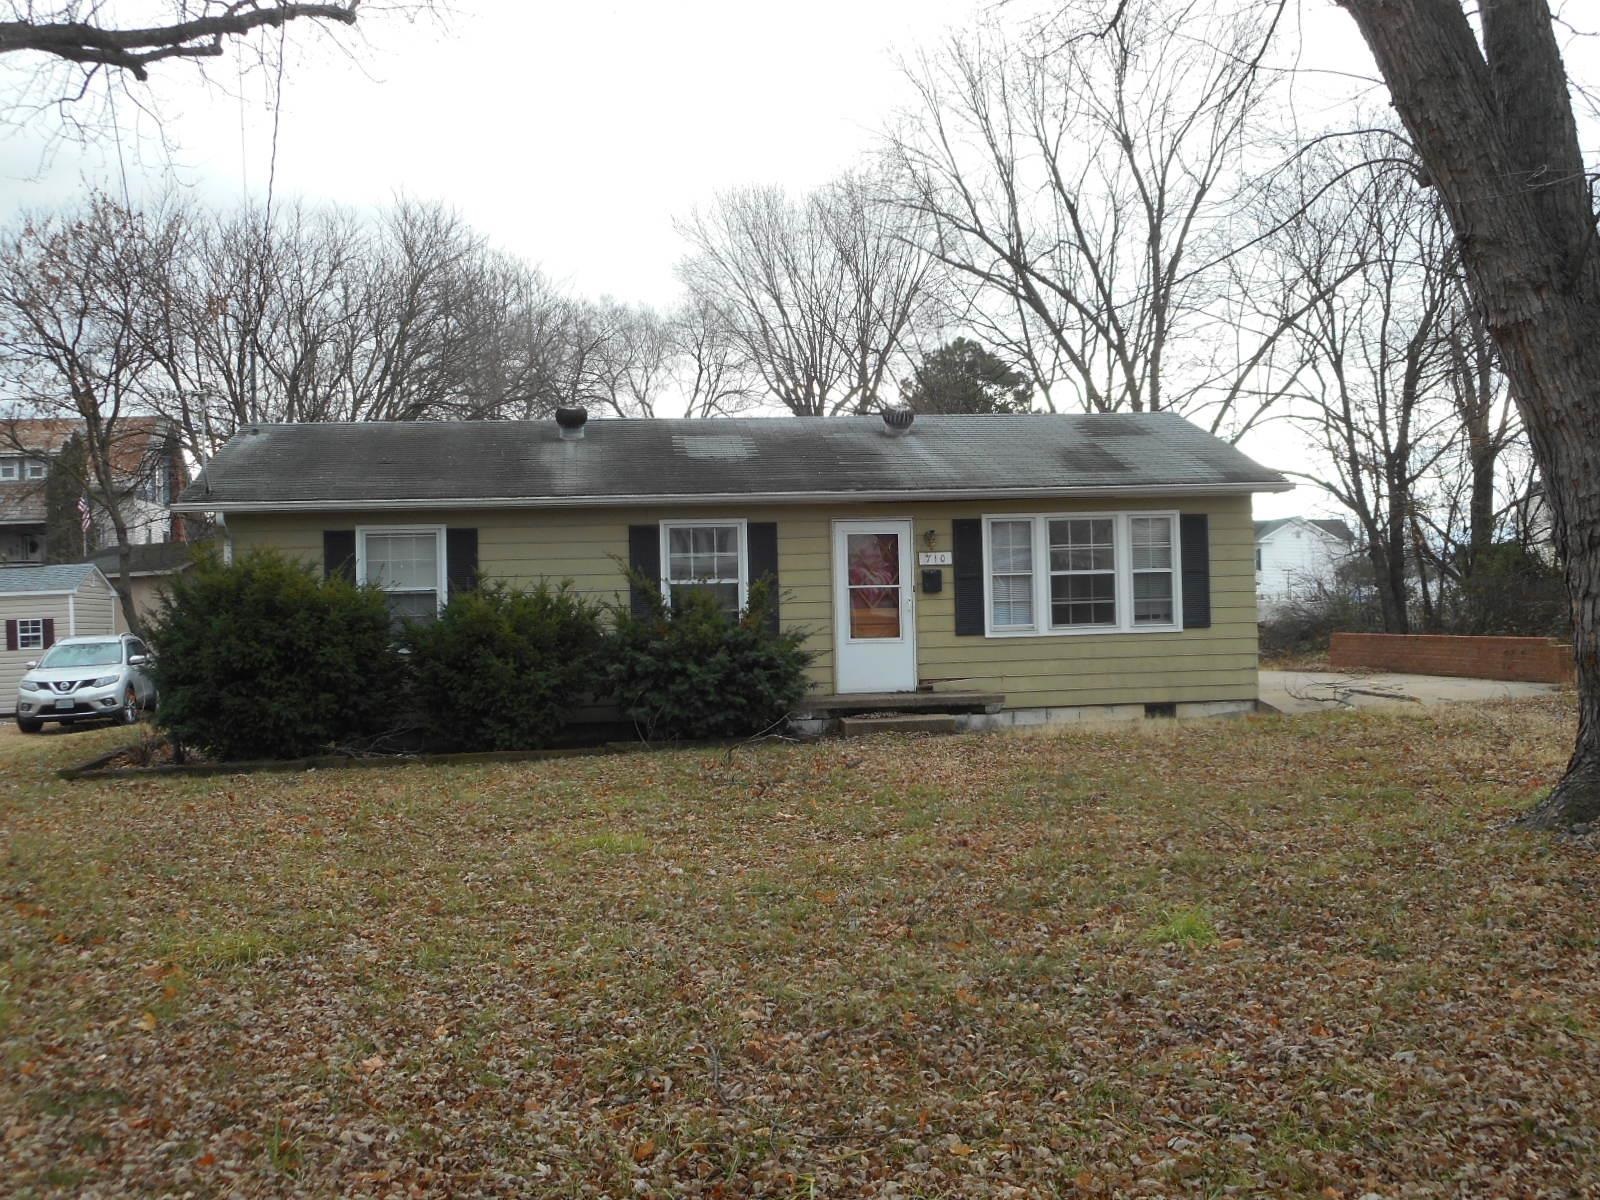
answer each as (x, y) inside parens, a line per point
(1264, 957)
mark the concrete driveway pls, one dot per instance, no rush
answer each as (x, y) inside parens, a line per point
(1319, 691)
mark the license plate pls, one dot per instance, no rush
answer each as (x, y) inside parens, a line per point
(66, 704)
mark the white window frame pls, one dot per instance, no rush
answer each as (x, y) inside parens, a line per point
(1123, 540)
(442, 583)
(739, 523)
(33, 468)
(26, 641)
(1042, 537)
(10, 469)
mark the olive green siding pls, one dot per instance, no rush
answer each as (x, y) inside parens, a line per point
(525, 545)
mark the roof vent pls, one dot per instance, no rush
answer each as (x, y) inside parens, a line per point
(897, 421)
(571, 421)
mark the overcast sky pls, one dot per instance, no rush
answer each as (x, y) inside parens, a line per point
(570, 134)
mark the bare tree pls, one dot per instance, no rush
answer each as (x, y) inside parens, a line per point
(72, 295)
(821, 295)
(709, 368)
(1370, 247)
(1084, 181)
(1490, 113)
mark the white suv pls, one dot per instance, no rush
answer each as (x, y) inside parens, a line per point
(86, 679)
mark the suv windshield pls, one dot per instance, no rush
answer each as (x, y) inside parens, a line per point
(83, 654)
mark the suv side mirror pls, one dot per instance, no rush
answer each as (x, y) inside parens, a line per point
(28, 666)
(138, 660)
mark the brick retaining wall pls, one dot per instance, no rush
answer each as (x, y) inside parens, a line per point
(1526, 659)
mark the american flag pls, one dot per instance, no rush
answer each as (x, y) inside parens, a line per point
(84, 517)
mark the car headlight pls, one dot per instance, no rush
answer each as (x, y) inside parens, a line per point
(103, 681)
(29, 685)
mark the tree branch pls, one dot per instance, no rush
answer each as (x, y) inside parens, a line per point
(135, 49)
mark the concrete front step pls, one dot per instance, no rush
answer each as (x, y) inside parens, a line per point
(825, 707)
(899, 723)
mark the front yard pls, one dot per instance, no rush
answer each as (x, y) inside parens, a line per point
(1265, 957)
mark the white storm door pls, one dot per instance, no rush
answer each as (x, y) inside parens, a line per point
(874, 607)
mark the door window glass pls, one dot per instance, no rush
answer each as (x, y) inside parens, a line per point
(873, 575)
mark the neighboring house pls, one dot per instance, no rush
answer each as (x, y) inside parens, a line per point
(148, 467)
(42, 604)
(1296, 557)
(1046, 564)
(151, 567)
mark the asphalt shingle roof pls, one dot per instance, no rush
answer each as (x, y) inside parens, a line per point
(1331, 525)
(619, 460)
(64, 577)
(154, 558)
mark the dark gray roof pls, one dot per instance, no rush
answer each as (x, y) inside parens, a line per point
(665, 460)
(1331, 525)
(154, 558)
(63, 577)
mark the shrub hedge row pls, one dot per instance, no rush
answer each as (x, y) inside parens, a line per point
(262, 659)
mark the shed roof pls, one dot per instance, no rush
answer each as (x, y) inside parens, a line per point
(515, 463)
(154, 558)
(62, 577)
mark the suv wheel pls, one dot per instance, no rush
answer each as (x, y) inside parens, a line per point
(29, 725)
(128, 714)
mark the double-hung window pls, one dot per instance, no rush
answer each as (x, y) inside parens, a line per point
(1011, 574)
(30, 634)
(1083, 572)
(705, 556)
(10, 468)
(408, 564)
(1150, 541)
(34, 469)
(1063, 573)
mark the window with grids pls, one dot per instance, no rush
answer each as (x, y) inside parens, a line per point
(705, 558)
(1065, 573)
(10, 468)
(1011, 574)
(1083, 572)
(1150, 544)
(30, 634)
(34, 469)
(407, 564)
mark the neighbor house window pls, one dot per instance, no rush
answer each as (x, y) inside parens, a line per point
(34, 469)
(704, 556)
(10, 468)
(30, 634)
(408, 565)
(1081, 573)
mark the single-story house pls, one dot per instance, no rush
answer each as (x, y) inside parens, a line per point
(1050, 564)
(1298, 556)
(41, 604)
(150, 567)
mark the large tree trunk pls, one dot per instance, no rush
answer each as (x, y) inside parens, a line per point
(1494, 126)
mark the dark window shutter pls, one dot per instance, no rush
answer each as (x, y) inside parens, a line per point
(339, 554)
(461, 560)
(1194, 546)
(761, 552)
(966, 544)
(49, 633)
(11, 635)
(644, 556)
